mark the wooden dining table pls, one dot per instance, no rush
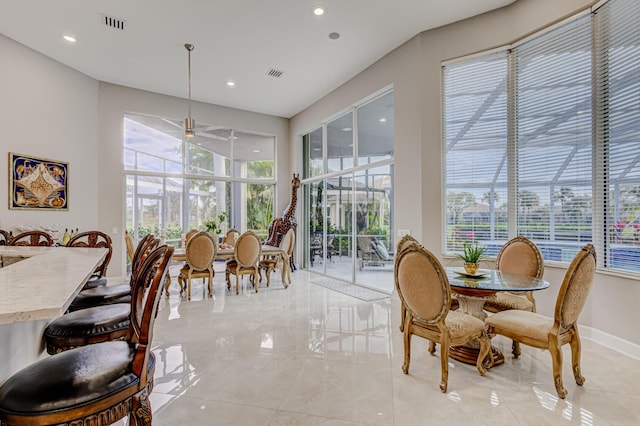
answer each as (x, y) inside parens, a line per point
(472, 291)
(228, 253)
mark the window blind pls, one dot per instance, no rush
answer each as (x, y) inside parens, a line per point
(617, 133)
(475, 150)
(553, 139)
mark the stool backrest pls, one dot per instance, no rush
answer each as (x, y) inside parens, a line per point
(94, 239)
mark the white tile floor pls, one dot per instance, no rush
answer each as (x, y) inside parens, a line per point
(311, 356)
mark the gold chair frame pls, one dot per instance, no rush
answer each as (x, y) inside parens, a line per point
(548, 333)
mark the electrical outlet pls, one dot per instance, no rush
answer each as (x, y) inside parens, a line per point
(403, 232)
(114, 230)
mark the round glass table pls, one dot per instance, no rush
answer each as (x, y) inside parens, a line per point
(472, 291)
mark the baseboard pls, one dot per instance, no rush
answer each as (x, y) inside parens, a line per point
(610, 341)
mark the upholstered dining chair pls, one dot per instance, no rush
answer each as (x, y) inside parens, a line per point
(269, 263)
(190, 234)
(95, 384)
(246, 255)
(230, 238)
(94, 239)
(107, 319)
(32, 238)
(424, 290)
(549, 333)
(128, 241)
(518, 256)
(404, 241)
(109, 294)
(200, 253)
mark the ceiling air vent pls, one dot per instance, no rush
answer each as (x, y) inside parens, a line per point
(113, 22)
(275, 73)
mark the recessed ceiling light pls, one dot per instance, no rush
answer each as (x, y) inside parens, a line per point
(346, 129)
(382, 120)
(69, 38)
(256, 150)
(334, 36)
(230, 83)
(318, 10)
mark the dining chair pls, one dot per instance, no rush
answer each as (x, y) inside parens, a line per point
(246, 255)
(521, 256)
(96, 384)
(110, 294)
(200, 253)
(424, 290)
(107, 319)
(404, 241)
(551, 333)
(32, 238)
(128, 241)
(94, 239)
(271, 262)
(230, 238)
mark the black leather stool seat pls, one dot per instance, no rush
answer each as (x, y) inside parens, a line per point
(88, 326)
(71, 379)
(104, 295)
(94, 281)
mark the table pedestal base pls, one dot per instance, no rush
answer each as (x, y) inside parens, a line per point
(472, 305)
(469, 355)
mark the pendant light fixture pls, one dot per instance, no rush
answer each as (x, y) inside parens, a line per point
(189, 123)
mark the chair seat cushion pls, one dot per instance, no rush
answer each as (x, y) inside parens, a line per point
(461, 324)
(90, 321)
(95, 281)
(100, 296)
(69, 379)
(522, 323)
(504, 301)
(194, 274)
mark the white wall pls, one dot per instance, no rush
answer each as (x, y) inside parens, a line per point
(414, 69)
(48, 110)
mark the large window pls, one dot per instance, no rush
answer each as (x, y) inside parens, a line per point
(174, 185)
(348, 193)
(540, 140)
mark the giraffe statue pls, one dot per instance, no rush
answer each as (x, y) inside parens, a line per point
(279, 226)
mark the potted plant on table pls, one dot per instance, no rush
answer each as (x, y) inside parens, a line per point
(471, 255)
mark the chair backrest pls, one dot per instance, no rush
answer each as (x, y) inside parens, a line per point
(247, 250)
(288, 242)
(128, 240)
(575, 287)
(94, 239)
(146, 245)
(422, 284)
(405, 241)
(32, 238)
(5, 237)
(190, 234)
(231, 237)
(145, 296)
(200, 251)
(520, 256)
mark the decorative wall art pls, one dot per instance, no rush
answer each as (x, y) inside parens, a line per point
(37, 183)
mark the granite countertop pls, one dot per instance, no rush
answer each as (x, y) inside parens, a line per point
(43, 284)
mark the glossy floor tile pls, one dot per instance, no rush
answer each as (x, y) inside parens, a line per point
(308, 355)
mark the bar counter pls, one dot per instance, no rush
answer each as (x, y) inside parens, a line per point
(35, 290)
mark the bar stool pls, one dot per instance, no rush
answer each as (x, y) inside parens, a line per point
(95, 384)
